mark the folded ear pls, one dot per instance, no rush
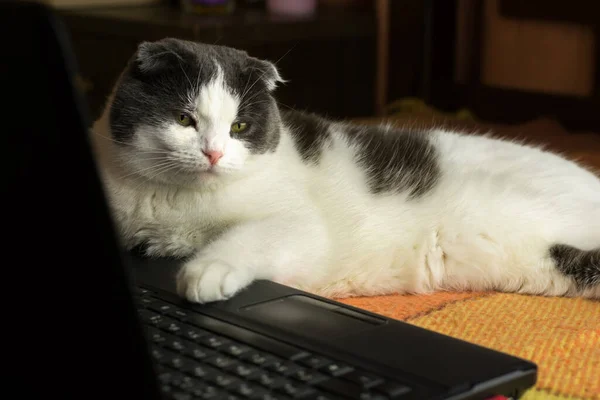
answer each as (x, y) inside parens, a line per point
(153, 57)
(266, 71)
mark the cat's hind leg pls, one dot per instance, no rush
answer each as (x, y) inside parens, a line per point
(582, 266)
(577, 255)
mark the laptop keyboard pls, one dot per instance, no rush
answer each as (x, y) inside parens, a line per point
(199, 357)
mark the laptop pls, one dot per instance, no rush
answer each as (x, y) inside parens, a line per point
(89, 320)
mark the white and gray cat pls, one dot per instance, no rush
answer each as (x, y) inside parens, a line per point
(199, 162)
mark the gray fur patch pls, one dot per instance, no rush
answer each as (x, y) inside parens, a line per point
(396, 160)
(310, 133)
(583, 266)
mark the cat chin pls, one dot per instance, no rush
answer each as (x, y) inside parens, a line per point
(207, 180)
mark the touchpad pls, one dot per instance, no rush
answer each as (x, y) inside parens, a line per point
(310, 317)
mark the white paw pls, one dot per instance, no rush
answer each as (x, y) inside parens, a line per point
(202, 281)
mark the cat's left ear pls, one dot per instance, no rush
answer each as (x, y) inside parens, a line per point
(266, 71)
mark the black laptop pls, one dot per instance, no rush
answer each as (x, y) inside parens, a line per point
(95, 322)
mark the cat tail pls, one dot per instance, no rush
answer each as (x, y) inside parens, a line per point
(581, 265)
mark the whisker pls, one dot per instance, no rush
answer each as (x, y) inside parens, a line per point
(197, 87)
(124, 143)
(285, 105)
(150, 168)
(248, 105)
(144, 152)
(275, 63)
(250, 113)
(158, 158)
(179, 60)
(254, 96)
(245, 86)
(164, 170)
(149, 179)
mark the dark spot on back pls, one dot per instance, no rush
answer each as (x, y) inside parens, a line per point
(583, 266)
(310, 133)
(395, 160)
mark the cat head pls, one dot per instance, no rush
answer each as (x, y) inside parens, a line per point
(187, 113)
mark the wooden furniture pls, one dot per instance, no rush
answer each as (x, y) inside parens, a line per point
(328, 58)
(505, 105)
(382, 11)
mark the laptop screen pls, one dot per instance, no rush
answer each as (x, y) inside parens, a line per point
(65, 262)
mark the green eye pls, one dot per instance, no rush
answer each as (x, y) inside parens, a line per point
(238, 127)
(184, 120)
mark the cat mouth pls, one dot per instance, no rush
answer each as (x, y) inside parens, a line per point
(210, 171)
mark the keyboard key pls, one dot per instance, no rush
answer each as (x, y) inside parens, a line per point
(284, 368)
(203, 372)
(258, 358)
(364, 379)
(157, 354)
(337, 369)
(244, 371)
(297, 390)
(323, 396)
(188, 383)
(248, 390)
(315, 362)
(140, 291)
(309, 377)
(373, 396)
(181, 396)
(198, 353)
(169, 324)
(166, 389)
(149, 317)
(177, 345)
(145, 301)
(213, 341)
(221, 361)
(170, 376)
(235, 349)
(208, 392)
(155, 335)
(392, 389)
(341, 388)
(271, 380)
(160, 306)
(178, 314)
(225, 381)
(274, 396)
(191, 333)
(174, 360)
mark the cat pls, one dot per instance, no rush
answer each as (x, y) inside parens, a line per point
(199, 162)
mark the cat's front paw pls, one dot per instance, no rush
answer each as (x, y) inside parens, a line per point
(205, 280)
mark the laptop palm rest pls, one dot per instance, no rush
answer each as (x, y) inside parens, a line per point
(310, 317)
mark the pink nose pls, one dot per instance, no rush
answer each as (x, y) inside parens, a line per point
(213, 156)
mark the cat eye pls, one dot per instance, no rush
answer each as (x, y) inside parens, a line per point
(238, 127)
(184, 119)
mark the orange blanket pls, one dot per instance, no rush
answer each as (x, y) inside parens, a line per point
(561, 335)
